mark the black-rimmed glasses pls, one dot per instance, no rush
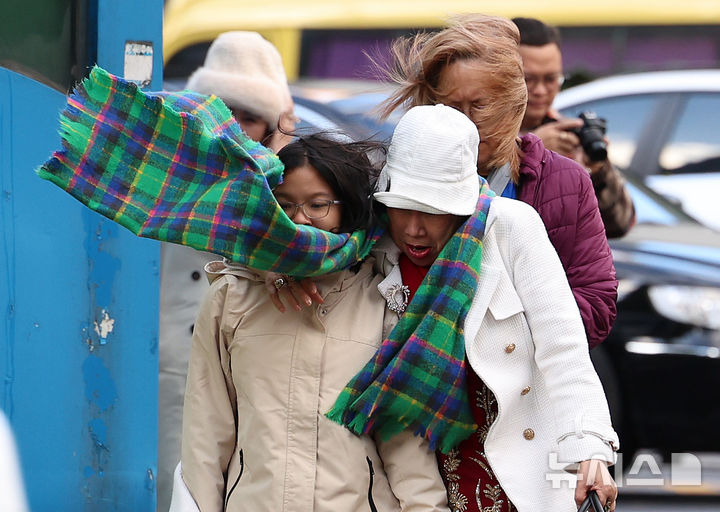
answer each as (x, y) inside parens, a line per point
(314, 209)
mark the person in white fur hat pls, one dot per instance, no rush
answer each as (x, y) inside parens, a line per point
(246, 72)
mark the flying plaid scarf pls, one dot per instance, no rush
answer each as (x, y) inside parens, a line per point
(417, 379)
(178, 168)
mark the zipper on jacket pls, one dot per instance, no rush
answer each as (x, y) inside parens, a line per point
(373, 508)
(242, 467)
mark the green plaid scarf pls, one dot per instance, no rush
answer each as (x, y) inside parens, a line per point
(178, 168)
(417, 377)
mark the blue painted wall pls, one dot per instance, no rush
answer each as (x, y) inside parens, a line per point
(79, 303)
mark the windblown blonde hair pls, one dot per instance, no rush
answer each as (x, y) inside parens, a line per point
(418, 62)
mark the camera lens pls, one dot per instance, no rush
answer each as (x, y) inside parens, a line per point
(596, 150)
(592, 136)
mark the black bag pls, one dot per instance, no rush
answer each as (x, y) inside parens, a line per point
(593, 501)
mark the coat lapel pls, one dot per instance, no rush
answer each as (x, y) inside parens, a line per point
(487, 284)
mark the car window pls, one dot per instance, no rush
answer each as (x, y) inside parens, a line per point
(47, 41)
(694, 146)
(361, 108)
(626, 116)
(311, 121)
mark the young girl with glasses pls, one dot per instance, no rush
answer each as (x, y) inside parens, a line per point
(259, 382)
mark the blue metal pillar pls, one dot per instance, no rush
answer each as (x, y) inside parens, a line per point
(79, 302)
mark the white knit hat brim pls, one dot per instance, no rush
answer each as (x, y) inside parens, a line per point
(410, 194)
(431, 163)
(252, 93)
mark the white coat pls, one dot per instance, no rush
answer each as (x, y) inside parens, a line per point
(525, 339)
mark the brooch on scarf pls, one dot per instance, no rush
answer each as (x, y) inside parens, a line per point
(397, 298)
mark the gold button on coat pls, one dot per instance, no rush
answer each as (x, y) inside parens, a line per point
(510, 348)
(529, 434)
(525, 390)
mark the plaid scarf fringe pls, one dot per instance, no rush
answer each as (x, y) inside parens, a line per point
(417, 378)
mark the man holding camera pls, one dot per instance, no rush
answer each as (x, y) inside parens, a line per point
(581, 139)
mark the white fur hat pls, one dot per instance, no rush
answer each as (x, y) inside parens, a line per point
(245, 71)
(431, 165)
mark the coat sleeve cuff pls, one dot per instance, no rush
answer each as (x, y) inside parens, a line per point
(573, 450)
(588, 439)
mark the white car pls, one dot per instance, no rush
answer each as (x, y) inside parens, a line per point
(664, 127)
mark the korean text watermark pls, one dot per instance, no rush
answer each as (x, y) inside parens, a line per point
(645, 470)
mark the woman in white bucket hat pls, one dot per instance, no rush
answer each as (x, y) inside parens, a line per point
(483, 265)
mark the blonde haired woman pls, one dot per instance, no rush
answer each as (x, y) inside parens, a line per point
(474, 65)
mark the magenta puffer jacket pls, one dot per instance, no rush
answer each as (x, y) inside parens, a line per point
(562, 193)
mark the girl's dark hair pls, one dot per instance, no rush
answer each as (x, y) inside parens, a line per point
(346, 166)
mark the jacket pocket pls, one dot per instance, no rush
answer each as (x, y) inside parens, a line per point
(371, 471)
(237, 480)
(505, 303)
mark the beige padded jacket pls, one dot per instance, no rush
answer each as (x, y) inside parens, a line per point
(255, 437)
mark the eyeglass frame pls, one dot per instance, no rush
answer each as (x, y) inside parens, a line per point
(549, 80)
(297, 206)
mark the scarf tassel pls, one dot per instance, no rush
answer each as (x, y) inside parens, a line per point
(444, 437)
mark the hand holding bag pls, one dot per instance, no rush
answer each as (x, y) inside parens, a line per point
(592, 500)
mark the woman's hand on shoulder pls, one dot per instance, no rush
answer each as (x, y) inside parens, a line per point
(593, 475)
(295, 293)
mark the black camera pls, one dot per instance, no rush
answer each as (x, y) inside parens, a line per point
(592, 136)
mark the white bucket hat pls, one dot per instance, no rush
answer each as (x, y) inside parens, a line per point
(245, 71)
(431, 164)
